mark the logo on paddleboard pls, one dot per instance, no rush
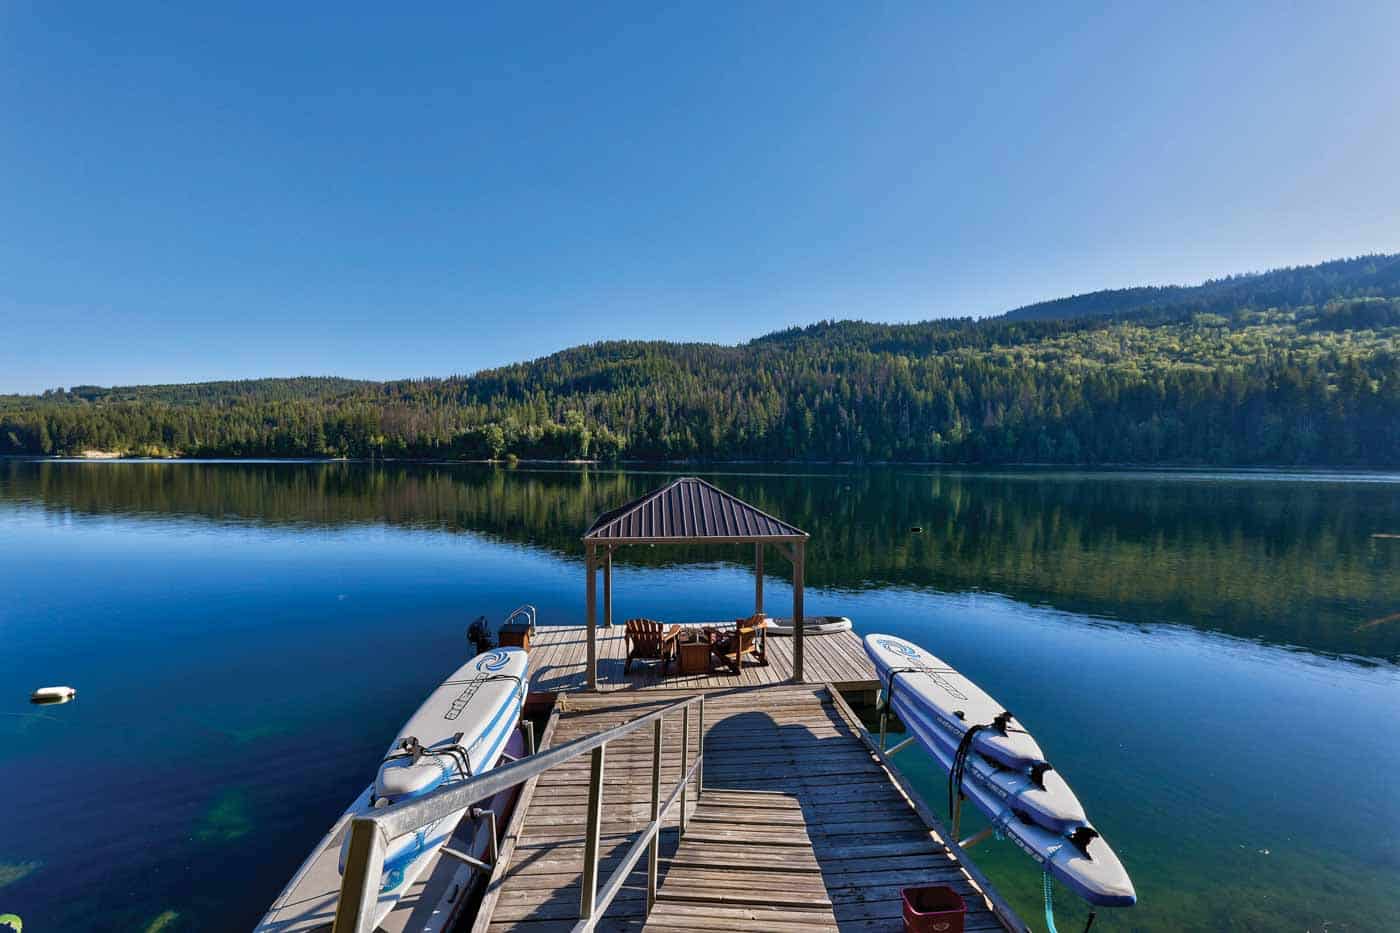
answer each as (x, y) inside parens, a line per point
(493, 661)
(909, 651)
(899, 647)
(462, 700)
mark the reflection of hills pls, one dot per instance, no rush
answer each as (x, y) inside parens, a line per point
(1285, 562)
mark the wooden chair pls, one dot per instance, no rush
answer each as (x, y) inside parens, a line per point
(746, 638)
(649, 640)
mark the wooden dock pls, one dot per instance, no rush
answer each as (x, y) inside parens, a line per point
(558, 657)
(800, 828)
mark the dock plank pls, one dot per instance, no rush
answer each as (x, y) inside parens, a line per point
(799, 829)
(559, 656)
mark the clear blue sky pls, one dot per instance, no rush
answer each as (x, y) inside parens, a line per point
(196, 191)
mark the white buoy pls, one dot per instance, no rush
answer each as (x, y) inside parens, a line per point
(53, 695)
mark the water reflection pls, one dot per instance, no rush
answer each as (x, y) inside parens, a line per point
(1293, 563)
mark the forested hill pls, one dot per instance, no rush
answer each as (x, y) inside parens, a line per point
(1362, 277)
(1305, 384)
(226, 392)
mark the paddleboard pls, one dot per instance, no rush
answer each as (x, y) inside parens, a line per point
(1040, 796)
(814, 625)
(1091, 868)
(459, 731)
(1026, 801)
(951, 701)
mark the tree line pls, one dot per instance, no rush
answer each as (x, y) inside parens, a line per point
(1308, 385)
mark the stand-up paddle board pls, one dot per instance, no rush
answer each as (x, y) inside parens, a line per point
(952, 702)
(460, 731)
(815, 625)
(920, 684)
(1014, 785)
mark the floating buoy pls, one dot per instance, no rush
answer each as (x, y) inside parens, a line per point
(53, 695)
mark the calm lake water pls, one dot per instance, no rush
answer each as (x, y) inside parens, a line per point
(1213, 660)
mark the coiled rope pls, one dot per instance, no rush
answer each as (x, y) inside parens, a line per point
(1050, 906)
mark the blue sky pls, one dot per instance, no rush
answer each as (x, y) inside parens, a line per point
(199, 191)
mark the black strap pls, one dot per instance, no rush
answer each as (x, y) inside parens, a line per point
(955, 773)
(410, 747)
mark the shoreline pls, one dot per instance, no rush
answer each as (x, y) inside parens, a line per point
(114, 457)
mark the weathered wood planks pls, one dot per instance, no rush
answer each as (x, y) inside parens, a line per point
(559, 657)
(799, 829)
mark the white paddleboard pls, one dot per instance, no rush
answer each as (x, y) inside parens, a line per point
(813, 625)
(1040, 796)
(460, 731)
(1036, 791)
(951, 701)
(1092, 871)
(1045, 821)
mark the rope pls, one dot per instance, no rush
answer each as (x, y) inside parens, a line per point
(1050, 904)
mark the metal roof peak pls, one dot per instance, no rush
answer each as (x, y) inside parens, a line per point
(689, 509)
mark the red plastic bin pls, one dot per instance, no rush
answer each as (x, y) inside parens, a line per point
(933, 908)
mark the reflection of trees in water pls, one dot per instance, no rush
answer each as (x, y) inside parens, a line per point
(1286, 562)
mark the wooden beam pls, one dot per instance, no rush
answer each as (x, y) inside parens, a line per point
(798, 570)
(591, 598)
(758, 578)
(607, 587)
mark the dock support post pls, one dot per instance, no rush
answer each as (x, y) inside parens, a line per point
(591, 598)
(654, 849)
(884, 719)
(607, 587)
(359, 888)
(685, 762)
(758, 578)
(798, 570)
(588, 898)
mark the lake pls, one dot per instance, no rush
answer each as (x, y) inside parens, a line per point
(1211, 659)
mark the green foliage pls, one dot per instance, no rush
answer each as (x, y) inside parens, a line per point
(1361, 277)
(1315, 384)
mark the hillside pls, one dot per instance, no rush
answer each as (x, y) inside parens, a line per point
(1308, 384)
(1361, 277)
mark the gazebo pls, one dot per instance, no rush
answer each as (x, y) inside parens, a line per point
(688, 511)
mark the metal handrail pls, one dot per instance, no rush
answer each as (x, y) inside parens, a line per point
(526, 610)
(370, 834)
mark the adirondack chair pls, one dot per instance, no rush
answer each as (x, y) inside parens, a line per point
(732, 645)
(649, 640)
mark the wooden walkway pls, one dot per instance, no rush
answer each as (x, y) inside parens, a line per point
(800, 829)
(558, 655)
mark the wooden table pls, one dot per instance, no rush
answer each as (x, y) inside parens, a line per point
(694, 657)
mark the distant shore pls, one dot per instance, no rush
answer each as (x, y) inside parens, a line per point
(102, 456)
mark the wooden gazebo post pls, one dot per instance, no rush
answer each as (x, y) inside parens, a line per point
(591, 597)
(758, 578)
(607, 586)
(799, 569)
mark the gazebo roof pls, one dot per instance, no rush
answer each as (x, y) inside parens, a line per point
(689, 509)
